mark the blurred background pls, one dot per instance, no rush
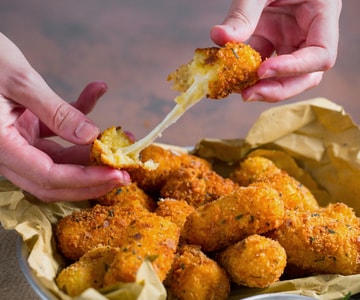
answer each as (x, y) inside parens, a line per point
(134, 45)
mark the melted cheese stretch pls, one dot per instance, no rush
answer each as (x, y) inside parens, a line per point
(197, 91)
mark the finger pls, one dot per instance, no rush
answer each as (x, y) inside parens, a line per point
(25, 86)
(324, 31)
(90, 95)
(76, 154)
(75, 193)
(85, 103)
(281, 88)
(239, 23)
(262, 45)
(35, 172)
(305, 60)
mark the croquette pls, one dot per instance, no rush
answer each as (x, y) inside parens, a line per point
(319, 243)
(260, 169)
(197, 187)
(128, 195)
(149, 236)
(194, 276)
(255, 261)
(255, 209)
(99, 225)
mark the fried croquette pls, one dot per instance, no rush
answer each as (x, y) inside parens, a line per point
(99, 225)
(253, 169)
(167, 161)
(295, 195)
(149, 236)
(197, 187)
(257, 208)
(255, 261)
(191, 161)
(341, 212)
(260, 169)
(228, 69)
(175, 210)
(318, 243)
(106, 150)
(194, 276)
(87, 272)
(128, 195)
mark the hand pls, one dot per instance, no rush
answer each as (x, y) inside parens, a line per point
(303, 35)
(29, 112)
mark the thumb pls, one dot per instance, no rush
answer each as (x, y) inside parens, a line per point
(239, 23)
(64, 119)
(22, 84)
(59, 116)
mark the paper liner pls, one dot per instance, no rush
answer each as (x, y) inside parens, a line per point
(314, 140)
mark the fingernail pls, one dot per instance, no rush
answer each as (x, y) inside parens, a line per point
(102, 91)
(267, 74)
(86, 131)
(122, 179)
(254, 97)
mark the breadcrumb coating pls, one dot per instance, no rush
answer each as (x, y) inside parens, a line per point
(194, 276)
(128, 195)
(321, 242)
(260, 169)
(253, 169)
(256, 261)
(106, 150)
(149, 236)
(197, 187)
(175, 210)
(167, 161)
(255, 209)
(233, 68)
(87, 272)
(99, 225)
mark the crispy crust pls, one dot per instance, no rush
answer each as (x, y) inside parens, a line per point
(248, 210)
(256, 261)
(194, 276)
(235, 67)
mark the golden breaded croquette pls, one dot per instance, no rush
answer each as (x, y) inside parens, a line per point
(229, 69)
(257, 208)
(175, 210)
(99, 225)
(253, 169)
(87, 272)
(255, 261)
(191, 161)
(128, 195)
(196, 187)
(167, 161)
(341, 212)
(106, 150)
(149, 236)
(194, 276)
(295, 195)
(320, 244)
(260, 169)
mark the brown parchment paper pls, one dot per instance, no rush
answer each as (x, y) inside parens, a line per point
(314, 140)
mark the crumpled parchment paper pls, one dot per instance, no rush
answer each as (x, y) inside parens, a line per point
(314, 140)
